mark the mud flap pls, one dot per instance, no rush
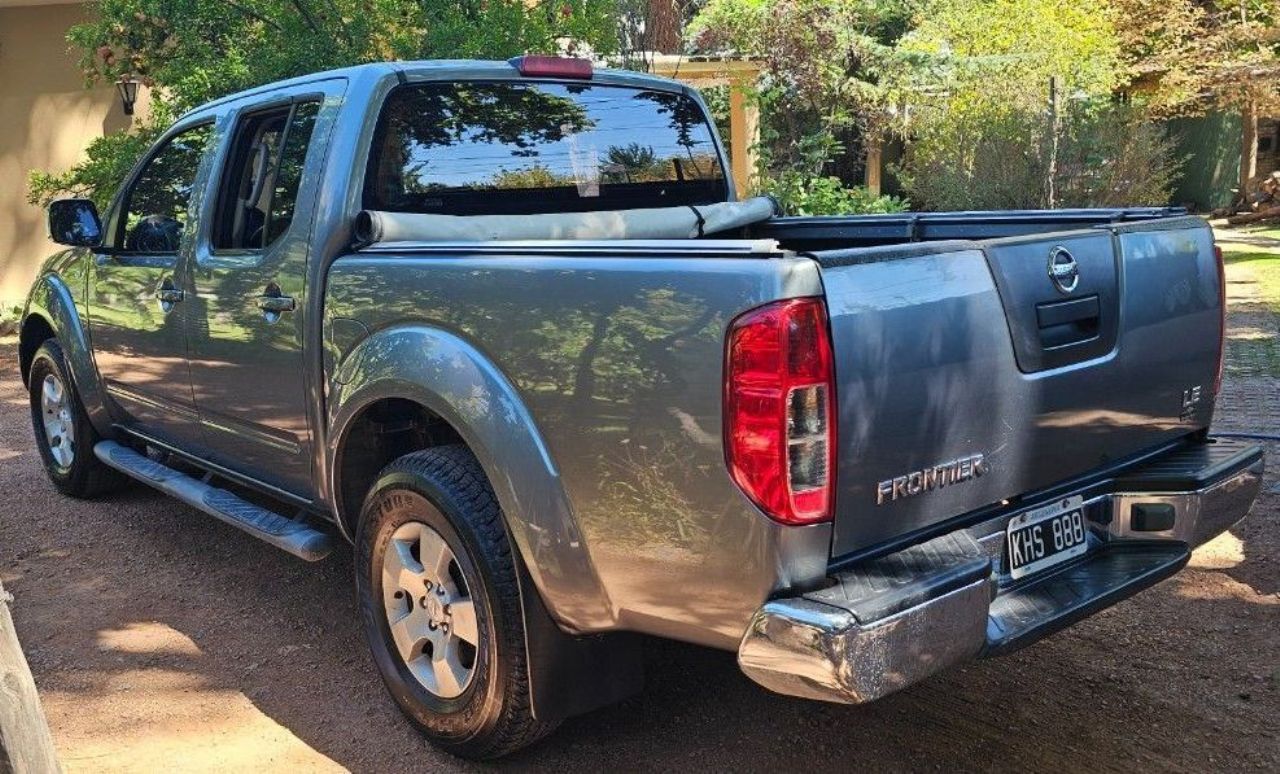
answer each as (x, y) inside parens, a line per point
(571, 675)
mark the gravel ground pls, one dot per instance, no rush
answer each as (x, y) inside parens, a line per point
(162, 639)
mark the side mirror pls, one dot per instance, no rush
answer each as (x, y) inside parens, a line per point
(75, 222)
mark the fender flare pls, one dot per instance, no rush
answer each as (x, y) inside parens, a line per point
(51, 300)
(449, 376)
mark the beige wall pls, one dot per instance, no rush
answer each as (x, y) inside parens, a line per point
(47, 118)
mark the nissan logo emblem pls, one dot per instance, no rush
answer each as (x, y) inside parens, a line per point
(1063, 270)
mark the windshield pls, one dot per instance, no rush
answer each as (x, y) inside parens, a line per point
(528, 147)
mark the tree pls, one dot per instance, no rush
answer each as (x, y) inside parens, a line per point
(1186, 57)
(191, 51)
(972, 80)
(663, 22)
(823, 103)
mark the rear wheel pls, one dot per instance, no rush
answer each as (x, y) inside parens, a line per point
(63, 433)
(441, 606)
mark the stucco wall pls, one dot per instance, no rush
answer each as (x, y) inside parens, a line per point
(47, 118)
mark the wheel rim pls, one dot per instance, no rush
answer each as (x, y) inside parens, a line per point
(430, 610)
(59, 425)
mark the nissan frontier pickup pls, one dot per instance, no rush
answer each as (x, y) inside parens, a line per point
(508, 329)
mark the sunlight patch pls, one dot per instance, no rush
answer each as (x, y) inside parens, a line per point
(147, 637)
(1223, 552)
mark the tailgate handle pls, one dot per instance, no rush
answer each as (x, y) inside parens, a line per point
(1064, 323)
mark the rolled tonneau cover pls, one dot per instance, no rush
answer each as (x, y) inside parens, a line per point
(686, 222)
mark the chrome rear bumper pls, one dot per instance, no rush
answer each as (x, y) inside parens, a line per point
(893, 621)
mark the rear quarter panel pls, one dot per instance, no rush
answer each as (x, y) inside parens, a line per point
(616, 364)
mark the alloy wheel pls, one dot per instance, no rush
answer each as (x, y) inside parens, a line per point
(59, 423)
(429, 610)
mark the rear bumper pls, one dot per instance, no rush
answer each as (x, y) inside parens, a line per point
(892, 621)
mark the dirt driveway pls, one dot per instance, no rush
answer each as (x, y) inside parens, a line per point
(162, 639)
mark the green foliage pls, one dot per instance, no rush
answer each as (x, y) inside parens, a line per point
(200, 49)
(191, 51)
(824, 61)
(1115, 157)
(977, 57)
(802, 194)
(973, 79)
(1108, 155)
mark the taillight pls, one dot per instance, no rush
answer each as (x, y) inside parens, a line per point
(780, 432)
(540, 66)
(1222, 309)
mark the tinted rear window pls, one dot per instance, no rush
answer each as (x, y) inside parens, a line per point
(526, 147)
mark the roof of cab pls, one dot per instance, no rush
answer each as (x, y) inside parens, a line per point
(436, 69)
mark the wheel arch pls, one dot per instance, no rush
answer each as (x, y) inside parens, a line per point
(51, 312)
(445, 380)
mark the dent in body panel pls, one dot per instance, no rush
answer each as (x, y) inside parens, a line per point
(618, 361)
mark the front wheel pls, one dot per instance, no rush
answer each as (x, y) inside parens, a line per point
(63, 433)
(440, 603)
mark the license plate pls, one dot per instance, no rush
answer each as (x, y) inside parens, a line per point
(1045, 536)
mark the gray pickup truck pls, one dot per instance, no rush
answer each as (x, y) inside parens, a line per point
(506, 327)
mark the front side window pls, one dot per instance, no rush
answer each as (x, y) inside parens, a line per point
(155, 213)
(526, 147)
(264, 173)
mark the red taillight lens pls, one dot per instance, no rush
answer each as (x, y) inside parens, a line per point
(537, 66)
(1222, 308)
(779, 421)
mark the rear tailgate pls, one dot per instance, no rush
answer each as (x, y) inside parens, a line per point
(967, 376)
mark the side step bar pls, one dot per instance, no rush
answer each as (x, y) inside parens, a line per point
(280, 531)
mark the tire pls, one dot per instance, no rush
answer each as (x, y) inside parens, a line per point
(445, 490)
(62, 430)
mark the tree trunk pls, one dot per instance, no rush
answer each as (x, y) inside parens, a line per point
(1055, 128)
(25, 743)
(1248, 149)
(662, 26)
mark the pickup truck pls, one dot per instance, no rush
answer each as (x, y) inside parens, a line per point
(507, 328)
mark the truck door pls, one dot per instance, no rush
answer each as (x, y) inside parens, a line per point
(138, 291)
(246, 321)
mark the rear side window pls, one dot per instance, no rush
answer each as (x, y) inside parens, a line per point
(264, 173)
(528, 147)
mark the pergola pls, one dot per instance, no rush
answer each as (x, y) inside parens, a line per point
(740, 75)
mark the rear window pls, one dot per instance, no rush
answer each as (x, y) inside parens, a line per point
(528, 147)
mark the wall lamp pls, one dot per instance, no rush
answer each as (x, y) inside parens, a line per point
(127, 85)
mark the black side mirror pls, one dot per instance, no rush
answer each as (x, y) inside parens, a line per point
(75, 222)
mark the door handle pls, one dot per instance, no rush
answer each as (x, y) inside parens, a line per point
(276, 304)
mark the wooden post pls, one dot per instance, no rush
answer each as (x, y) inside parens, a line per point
(875, 150)
(740, 140)
(25, 742)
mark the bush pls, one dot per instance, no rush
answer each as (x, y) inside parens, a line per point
(801, 194)
(1115, 158)
(1107, 156)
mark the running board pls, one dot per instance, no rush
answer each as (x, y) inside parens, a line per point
(280, 531)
